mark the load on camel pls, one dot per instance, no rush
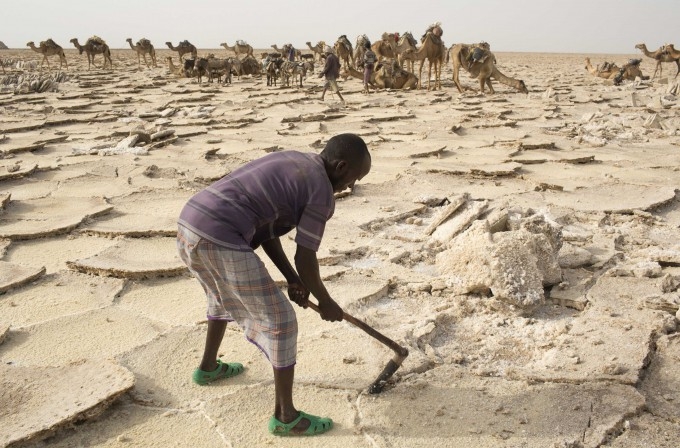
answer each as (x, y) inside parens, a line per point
(609, 70)
(387, 75)
(480, 62)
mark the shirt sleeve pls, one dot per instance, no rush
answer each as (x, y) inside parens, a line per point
(312, 225)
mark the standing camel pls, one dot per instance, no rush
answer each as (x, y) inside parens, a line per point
(406, 43)
(94, 46)
(432, 50)
(239, 47)
(343, 48)
(297, 54)
(184, 47)
(670, 49)
(49, 48)
(142, 47)
(317, 50)
(385, 48)
(659, 56)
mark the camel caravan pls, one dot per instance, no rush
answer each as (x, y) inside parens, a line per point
(397, 56)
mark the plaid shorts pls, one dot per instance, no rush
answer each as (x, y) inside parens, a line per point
(333, 84)
(239, 288)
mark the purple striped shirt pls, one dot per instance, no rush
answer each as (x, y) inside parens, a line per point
(265, 199)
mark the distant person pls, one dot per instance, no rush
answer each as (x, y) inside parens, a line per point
(369, 65)
(331, 71)
(220, 227)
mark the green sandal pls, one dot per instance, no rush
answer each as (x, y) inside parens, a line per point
(317, 425)
(223, 370)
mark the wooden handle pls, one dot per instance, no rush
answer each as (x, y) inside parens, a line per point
(398, 349)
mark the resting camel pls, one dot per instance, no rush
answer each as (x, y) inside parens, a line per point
(659, 56)
(239, 48)
(433, 50)
(184, 47)
(94, 46)
(317, 50)
(343, 48)
(387, 75)
(142, 47)
(608, 70)
(49, 48)
(482, 67)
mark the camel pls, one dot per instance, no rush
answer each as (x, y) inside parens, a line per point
(142, 47)
(343, 48)
(433, 50)
(184, 47)
(386, 47)
(609, 70)
(240, 47)
(49, 48)
(286, 50)
(387, 75)
(360, 49)
(317, 50)
(94, 46)
(670, 49)
(480, 65)
(660, 56)
(406, 43)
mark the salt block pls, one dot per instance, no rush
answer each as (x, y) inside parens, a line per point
(46, 398)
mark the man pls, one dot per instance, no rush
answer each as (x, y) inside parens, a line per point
(369, 64)
(331, 71)
(218, 230)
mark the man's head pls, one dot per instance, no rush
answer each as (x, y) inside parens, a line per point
(346, 159)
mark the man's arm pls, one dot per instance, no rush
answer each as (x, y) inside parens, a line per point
(275, 252)
(308, 268)
(296, 289)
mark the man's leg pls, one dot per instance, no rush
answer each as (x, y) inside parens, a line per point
(213, 340)
(284, 410)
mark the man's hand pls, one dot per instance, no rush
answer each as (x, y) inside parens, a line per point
(330, 311)
(298, 294)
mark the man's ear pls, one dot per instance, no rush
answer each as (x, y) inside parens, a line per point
(341, 166)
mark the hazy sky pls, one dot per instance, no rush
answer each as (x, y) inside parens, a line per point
(566, 26)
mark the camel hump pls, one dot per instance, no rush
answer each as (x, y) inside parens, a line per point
(185, 43)
(144, 42)
(634, 63)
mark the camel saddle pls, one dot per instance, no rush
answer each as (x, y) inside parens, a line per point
(242, 43)
(144, 42)
(184, 43)
(605, 67)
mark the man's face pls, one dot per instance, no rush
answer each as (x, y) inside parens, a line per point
(348, 174)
